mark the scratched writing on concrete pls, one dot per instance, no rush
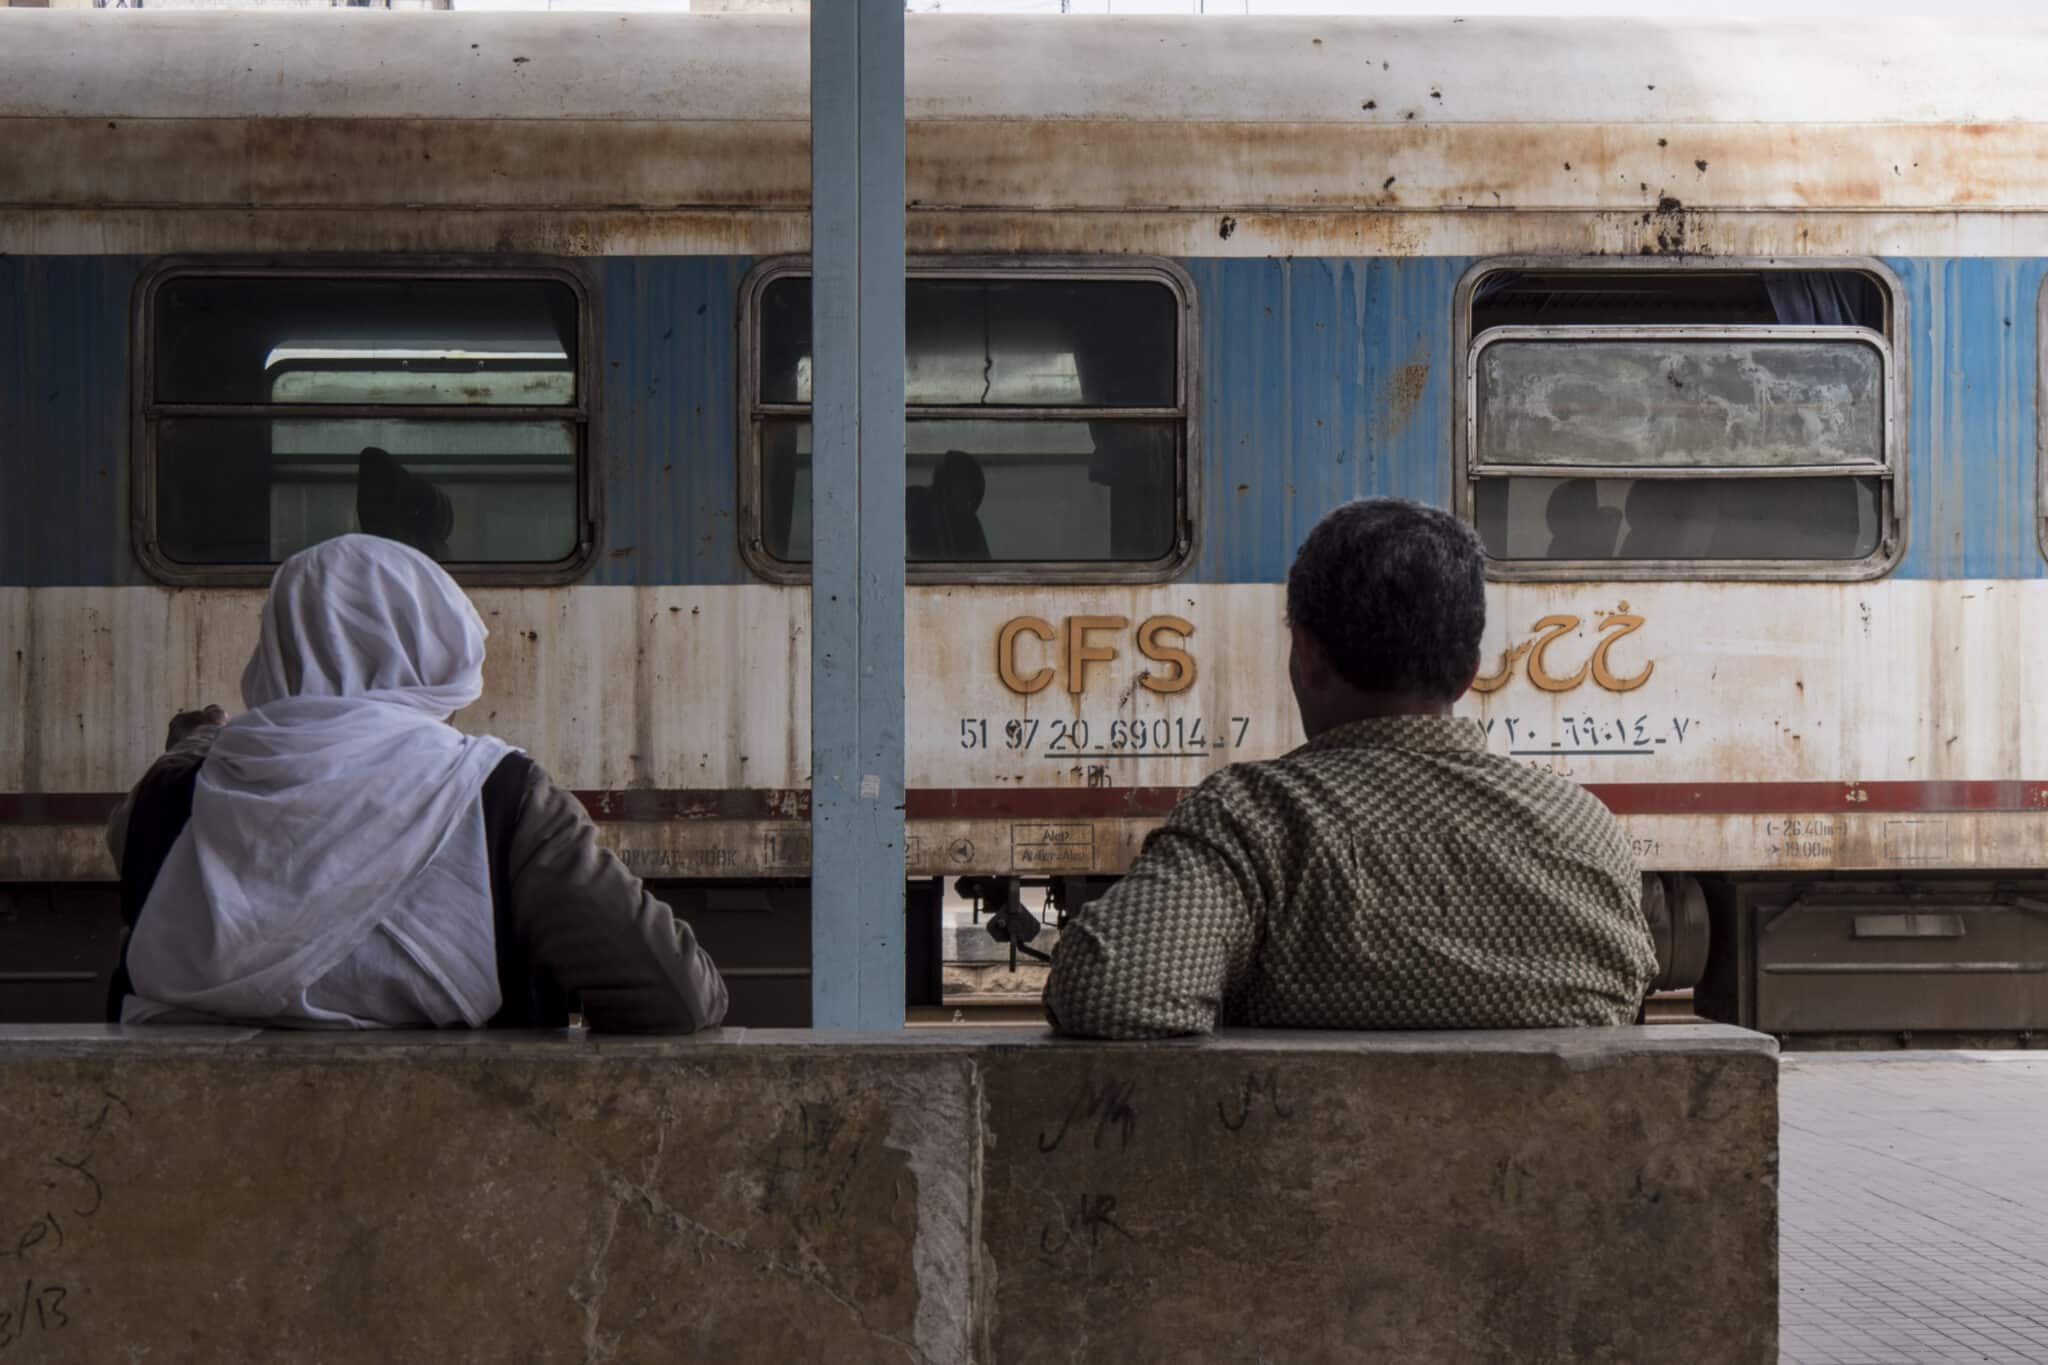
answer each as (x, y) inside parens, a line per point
(1108, 1106)
(1107, 1112)
(1237, 1110)
(813, 1177)
(70, 1197)
(1093, 1215)
(40, 1308)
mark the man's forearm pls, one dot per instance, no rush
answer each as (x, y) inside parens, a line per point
(1088, 997)
(1154, 957)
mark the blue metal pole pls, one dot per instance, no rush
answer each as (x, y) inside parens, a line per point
(857, 545)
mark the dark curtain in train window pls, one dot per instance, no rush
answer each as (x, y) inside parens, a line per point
(1825, 298)
(1654, 298)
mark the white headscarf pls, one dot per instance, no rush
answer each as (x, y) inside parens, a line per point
(336, 831)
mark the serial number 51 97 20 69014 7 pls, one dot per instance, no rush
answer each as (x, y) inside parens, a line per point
(1158, 737)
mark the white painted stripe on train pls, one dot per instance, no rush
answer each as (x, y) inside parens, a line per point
(616, 688)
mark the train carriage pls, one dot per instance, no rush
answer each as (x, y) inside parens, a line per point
(1723, 335)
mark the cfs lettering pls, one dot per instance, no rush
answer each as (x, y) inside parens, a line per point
(1031, 652)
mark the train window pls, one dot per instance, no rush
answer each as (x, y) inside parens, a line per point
(1667, 422)
(1047, 426)
(282, 408)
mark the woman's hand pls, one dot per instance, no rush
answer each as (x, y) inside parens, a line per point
(185, 722)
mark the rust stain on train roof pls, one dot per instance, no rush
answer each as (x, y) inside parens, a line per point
(1219, 169)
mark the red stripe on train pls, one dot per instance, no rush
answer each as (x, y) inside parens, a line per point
(657, 805)
(57, 808)
(654, 805)
(920, 803)
(1623, 798)
(1780, 798)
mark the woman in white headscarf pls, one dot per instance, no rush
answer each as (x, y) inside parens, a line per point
(338, 856)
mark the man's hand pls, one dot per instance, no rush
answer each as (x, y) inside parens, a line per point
(185, 722)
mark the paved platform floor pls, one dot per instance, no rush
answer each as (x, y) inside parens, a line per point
(1914, 1208)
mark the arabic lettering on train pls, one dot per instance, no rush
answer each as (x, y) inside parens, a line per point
(1592, 734)
(1545, 668)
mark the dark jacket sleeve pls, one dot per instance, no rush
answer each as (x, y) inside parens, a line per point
(592, 925)
(183, 756)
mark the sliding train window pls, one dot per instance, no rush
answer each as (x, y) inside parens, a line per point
(279, 408)
(1739, 421)
(1047, 427)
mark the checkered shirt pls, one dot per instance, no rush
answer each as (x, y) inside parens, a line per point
(1390, 874)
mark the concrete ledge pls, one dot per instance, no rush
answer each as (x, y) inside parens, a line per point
(929, 1196)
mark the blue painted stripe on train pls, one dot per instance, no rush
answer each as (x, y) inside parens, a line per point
(1970, 446)
(64, 419)
(669, 426)
(1321, 380)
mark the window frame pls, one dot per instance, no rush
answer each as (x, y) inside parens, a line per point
(1187, 459)
(584, 415)
(1891, 342)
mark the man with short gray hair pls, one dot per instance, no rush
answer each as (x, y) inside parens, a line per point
(1388, 874)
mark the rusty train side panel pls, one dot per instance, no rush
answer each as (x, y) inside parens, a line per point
(1732, 729)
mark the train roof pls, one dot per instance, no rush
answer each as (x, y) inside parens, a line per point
(716, 67)
(615, 134)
